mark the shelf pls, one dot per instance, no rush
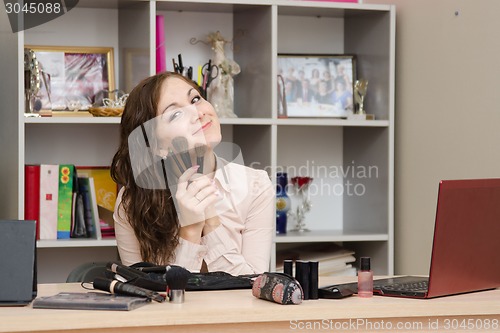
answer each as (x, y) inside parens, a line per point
(72, 120)
(223, 121)
(65, 243)
(330, 236)
(332, 122)
(260, 30)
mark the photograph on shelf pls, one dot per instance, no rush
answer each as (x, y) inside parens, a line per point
(74, 74)
(316, 85)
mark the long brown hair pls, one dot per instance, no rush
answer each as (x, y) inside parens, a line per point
(150, 212)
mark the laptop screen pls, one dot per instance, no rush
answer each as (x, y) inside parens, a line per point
(17, 262)
(466, 247)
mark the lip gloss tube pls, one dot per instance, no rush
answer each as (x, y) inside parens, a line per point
(365, 278)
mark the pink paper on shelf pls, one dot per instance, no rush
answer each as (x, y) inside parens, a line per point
(161, 64)
(354, 1)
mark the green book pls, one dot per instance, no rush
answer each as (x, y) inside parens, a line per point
(65, 201)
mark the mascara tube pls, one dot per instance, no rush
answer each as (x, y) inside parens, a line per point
(288, 267)
(302, 276)
(313, 279)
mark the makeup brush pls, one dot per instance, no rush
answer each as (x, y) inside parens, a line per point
(176, 160)
(177, 279)
(200, 151)
(181, 146)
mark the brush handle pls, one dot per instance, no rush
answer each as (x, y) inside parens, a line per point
(176, 160)
(199, 161)
(186, 159)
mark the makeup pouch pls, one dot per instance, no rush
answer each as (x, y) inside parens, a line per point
(153, 277)
(278, 287)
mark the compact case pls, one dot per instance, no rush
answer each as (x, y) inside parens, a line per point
(278, 287)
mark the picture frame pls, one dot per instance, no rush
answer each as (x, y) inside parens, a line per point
(316, 85)
(73, 75)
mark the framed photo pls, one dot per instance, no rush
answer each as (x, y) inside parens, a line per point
(316, 85)
(73, 75)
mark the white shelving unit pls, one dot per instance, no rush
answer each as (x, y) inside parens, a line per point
(260, 30)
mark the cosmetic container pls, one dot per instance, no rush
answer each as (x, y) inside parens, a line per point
(302, 276)
(313, 279)
(288, 267)
(283, 202)
(365, 278)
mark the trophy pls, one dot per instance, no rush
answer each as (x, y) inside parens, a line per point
(360, 89)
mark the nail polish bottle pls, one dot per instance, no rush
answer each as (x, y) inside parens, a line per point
(365, 278)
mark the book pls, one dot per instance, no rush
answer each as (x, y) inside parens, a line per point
(89, 301)
(32, 195)
(49, 192)
(105, 188)
(161, 64)
(333, 259)
(65, 201)
(95, 210)
(107, 223)
(88, 213)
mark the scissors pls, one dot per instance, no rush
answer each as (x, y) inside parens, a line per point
(210, 72)
(178, 68)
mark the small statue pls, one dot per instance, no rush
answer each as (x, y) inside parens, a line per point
(221, 90)
(360, 89)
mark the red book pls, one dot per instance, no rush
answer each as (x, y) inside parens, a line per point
(32, 195)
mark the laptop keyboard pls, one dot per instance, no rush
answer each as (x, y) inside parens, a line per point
(410, 286)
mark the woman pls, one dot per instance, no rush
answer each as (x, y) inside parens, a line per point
(186, 226)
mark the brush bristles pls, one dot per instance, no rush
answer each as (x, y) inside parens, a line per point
(181, 146)
(177, 277)
(200, 151)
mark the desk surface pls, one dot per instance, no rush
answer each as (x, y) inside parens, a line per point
(239, 311)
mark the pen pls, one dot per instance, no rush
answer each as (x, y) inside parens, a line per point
(181, 67)
(174, 64)
(200, 76)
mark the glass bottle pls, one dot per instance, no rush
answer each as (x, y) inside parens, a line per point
(365, 278)
(283, 202)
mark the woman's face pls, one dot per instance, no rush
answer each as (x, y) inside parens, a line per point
(183, 112)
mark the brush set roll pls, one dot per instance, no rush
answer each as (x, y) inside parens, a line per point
(154, 277)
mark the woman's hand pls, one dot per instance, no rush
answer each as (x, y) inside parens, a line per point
(196, 194)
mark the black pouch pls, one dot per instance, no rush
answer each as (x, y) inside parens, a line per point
(278, 287)
(153, 277)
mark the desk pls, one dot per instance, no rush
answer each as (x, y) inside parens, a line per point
(238, 311)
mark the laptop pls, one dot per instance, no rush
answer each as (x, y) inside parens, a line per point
(18, 284)
(466, 246)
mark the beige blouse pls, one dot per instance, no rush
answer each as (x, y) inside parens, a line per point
(240, 245)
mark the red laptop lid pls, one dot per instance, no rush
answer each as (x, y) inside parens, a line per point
(466, 248)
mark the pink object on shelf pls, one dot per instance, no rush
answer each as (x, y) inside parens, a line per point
(161, 64)
(353, 1)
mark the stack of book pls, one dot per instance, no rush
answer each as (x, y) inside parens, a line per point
(333, 259)
(64, 202)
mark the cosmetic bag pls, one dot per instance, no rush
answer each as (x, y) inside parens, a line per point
(278, 287)
(152, 277)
